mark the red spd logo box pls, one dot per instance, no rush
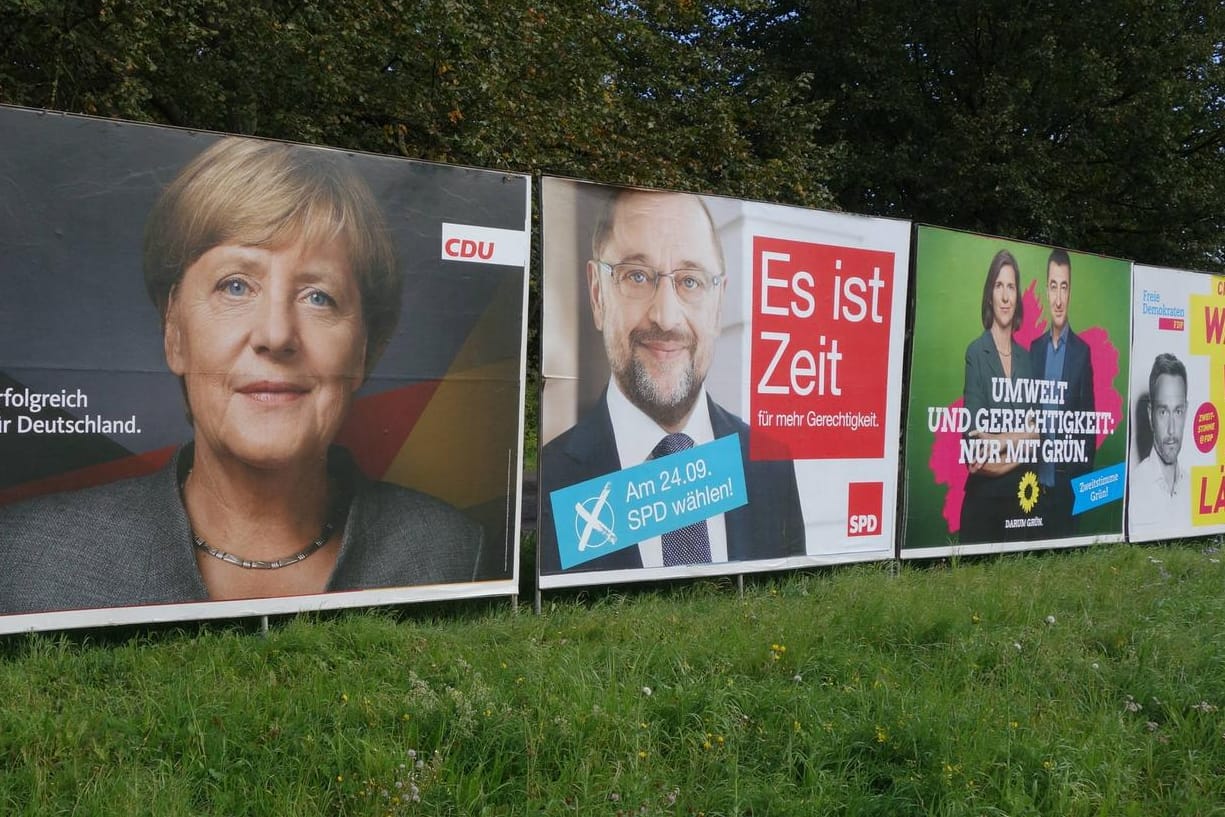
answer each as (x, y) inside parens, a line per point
(863, 508)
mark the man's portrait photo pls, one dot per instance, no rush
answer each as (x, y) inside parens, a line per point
(1159, 485)
(656, 283)
(1174, 474)
(1059, 354)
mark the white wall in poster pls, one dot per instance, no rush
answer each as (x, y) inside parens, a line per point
(1175, 484)
(798, 259)
(806, 351)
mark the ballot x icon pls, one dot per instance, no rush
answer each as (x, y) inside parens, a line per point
(596, 517)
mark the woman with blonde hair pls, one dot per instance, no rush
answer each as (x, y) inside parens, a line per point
(278, 290)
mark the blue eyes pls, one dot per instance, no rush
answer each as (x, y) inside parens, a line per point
(239, 288)
(235, 286)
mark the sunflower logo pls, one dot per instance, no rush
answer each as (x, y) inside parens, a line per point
(1028, 491)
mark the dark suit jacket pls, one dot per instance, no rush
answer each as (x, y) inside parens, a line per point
(1078, 372)
(130, 543)
(770, 526)
(983, 365)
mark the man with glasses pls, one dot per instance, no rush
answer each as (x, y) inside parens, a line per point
(656, 283)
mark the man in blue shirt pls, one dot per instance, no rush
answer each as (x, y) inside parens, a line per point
(1062, 356)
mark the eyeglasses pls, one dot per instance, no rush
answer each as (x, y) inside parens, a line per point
(638, 282)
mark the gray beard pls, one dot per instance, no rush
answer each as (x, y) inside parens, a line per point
(669, 410)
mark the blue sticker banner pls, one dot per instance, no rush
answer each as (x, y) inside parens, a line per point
(1098, 488)
(621, 509)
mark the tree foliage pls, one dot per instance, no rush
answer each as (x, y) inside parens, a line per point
(1096, 125)
(660, 94)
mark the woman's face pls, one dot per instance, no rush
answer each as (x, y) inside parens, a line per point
(1004, 297)
(271, 346)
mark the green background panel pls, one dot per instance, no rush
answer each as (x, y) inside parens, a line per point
(950, 269)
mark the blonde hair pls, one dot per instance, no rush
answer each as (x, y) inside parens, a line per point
(266, 194)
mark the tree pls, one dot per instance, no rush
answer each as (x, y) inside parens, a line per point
(1096, 125)
(611, 91)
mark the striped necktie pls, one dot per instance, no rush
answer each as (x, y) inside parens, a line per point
(689, 545)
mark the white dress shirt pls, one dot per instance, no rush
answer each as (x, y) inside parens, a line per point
(1154, 501)
(637, 435)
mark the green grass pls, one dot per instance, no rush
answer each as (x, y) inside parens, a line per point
(941, 690)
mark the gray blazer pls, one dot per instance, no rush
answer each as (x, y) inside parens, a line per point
(129, 542)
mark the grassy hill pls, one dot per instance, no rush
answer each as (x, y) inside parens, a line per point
(1079, 683)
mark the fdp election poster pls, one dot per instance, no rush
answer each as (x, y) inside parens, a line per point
(243, 377)
(1016, 427)
(1175, 482)
(722, 383)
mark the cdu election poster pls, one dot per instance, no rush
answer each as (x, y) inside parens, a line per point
(722, 382)
(242, 377)
(1015, 429)
(1175, 482)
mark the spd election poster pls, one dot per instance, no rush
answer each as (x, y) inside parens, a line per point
(722, 383)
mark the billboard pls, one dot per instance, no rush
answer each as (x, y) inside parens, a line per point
(1174, 484)
(721, 385)
(242, 377)
(1015, 425)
